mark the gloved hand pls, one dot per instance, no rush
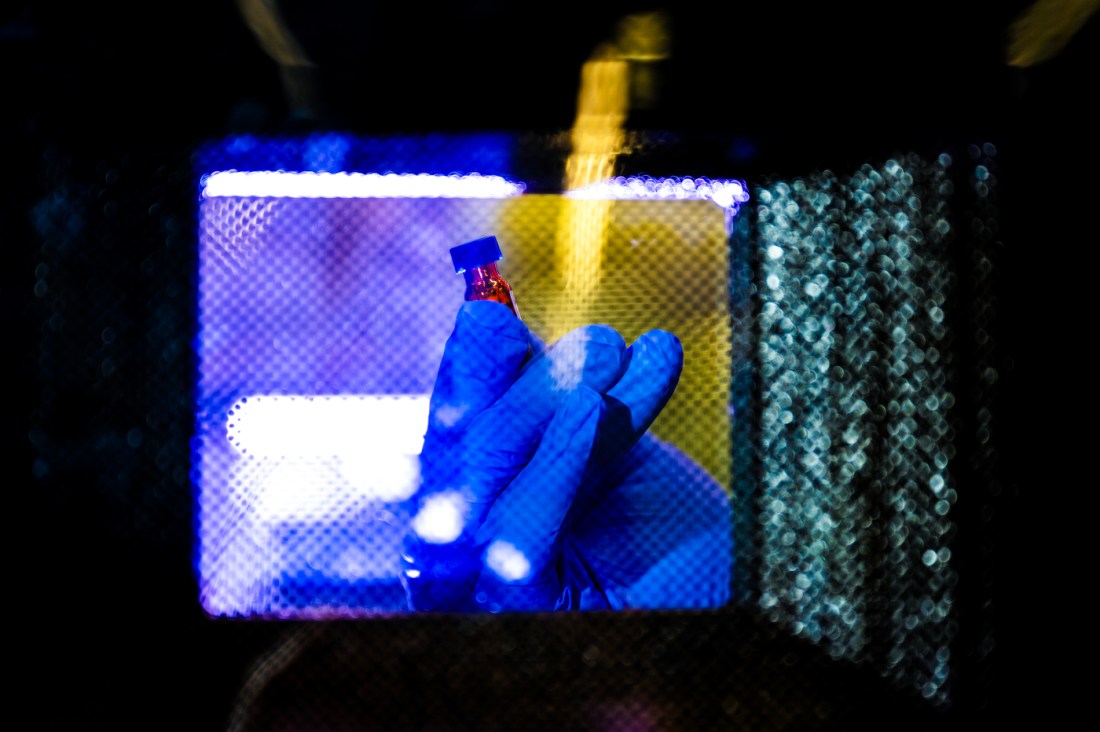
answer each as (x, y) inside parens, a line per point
(541, 487)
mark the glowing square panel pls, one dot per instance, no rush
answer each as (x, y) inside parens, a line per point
(324, 302)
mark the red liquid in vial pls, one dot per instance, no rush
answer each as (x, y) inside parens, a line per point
(476, 260)
(485, 283)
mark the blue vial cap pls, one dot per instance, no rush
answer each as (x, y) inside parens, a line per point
(476, 253)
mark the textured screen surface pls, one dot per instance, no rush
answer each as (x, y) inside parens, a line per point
(858, 378)
(820, 387)
(322, 322)
(231, 394)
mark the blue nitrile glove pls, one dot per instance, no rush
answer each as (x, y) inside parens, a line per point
(541, 488)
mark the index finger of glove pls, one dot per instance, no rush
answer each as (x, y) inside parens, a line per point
(501, 440)
(481, 359)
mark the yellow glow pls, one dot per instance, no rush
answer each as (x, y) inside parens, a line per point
(597, 139)
(275, 37)
(1044, 28)
(644, 37)
(581, 235)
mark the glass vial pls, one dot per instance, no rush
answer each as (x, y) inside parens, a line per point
(476, 261)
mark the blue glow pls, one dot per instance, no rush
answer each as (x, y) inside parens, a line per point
(325, 295)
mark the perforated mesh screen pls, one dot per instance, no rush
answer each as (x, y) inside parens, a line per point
(313, 310)
(856, 404)
(845, 333)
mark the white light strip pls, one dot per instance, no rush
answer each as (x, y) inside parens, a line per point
(328, 425)
(284, 184)
(729, 194)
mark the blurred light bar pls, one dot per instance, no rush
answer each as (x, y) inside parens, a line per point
(320, 426)
(284, 184)
(727, 193)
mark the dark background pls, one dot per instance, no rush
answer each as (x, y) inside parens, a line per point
(95, 93)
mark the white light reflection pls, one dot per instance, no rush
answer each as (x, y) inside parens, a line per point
(567, 360)
(567, 363)
(288, 184)
(441, 518)
(509, 563)
(727, 193)
(323, 425)
(324, 450)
